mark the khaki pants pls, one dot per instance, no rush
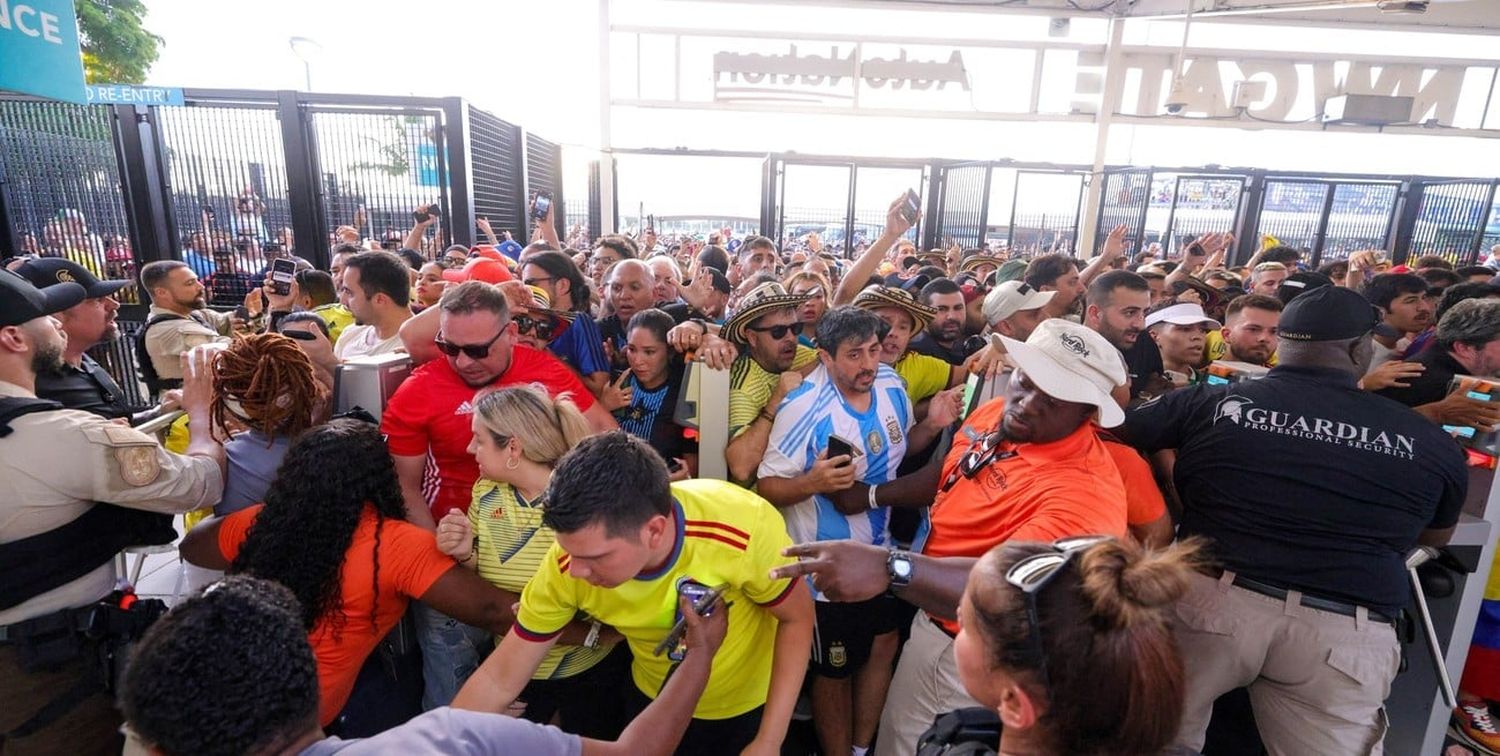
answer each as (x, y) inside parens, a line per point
(91, 727)
(925, 685)
(1317, 679)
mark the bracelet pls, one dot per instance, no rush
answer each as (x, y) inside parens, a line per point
(873, 504)
(702, 325)
(770, 418)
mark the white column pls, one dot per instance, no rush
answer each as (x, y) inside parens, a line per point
(1109, 104)
(606, 156)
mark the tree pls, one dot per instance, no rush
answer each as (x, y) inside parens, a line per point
(117, 48)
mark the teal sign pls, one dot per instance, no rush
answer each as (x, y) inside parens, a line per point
(39, 49)
(427, 162)
(126, 94)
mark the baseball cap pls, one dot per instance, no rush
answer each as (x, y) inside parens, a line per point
(511, 248)
(1327, 313)
(1012, 297)
(1011, 270)
(50, 271)
(1070, 362)
(1186, 313)
(1300, 283)
(479, 269)
(21, 302)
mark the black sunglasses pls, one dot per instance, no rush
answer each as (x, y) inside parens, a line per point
(980, 455)
(1036, 572)
(544, 327)
(777, 332)
(473, 351)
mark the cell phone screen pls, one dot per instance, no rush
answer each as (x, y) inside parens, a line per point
(282, 273)
(543, 204)
(839, 446)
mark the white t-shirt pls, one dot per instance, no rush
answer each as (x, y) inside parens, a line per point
(452, 731)
(810, 414)
(363, 341)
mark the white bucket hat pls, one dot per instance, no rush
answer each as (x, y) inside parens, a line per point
(1070, 362)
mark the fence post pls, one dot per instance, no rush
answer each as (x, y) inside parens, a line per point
(1408, 208)
(1484, 221)
(932, 220)
(460, 178)
(147, 210)
(1246, 236)
(302, 186)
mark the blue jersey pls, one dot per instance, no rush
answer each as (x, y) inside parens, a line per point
(807, 417)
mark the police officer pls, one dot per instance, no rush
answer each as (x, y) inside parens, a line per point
(1310, 493)
(78, 489)
(81, 383)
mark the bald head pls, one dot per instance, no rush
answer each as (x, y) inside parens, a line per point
(629, 288)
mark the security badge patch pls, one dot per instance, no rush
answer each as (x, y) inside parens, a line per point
(135, 453)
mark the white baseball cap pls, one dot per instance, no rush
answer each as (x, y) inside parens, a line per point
(1012, 297)
(1186, 313)
(1070, 362)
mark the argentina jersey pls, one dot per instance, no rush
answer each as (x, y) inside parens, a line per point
(806, 419)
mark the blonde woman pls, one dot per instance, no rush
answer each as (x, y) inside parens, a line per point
(519, 433)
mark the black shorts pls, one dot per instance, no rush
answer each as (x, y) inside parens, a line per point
(844, 633)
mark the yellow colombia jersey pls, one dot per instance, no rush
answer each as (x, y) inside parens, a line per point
(1216, 349)
(725, 535)
(512, 543)
(751, 386)
(924, 374)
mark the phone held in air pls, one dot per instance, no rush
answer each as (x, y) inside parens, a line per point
(542, 205)
(283, 270)
(911, 205)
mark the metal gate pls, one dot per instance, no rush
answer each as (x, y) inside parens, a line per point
(60, 186)
(1453, 219)
(499, 172)
(1044, 210)
(963, 204)
(843, 201)
(544, 174)
(1327, 219)
(1188, 206)
(1125, 200)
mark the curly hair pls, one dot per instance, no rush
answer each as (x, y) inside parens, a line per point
(265, 381)
(180, 682)
(300, 539)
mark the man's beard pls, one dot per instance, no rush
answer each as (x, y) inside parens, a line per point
(47, 359)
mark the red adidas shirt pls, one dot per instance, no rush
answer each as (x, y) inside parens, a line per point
(433, 409)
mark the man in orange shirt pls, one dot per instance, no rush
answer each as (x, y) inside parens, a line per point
(1028, 466)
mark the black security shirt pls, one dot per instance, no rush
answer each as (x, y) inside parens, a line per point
(925, 344)
(1304, 481)
(87, 387)
(1432, 385)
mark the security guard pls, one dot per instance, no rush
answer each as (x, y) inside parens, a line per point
(1310, 492)
(79, 489)
(82, 383)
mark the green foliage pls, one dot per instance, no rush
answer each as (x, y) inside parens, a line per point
(117, 48)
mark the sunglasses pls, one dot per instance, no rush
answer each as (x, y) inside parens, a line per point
(1031, 575)
(300, 335)
(777, 332)
(980, 455)
(544, 328)
(473, 351)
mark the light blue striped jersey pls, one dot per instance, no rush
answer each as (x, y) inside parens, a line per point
(816, 410)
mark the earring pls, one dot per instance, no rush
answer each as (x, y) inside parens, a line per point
(512, 463)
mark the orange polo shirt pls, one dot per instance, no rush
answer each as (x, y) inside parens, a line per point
(1143, 500)
(1040, 492)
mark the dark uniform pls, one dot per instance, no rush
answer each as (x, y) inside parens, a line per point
(1310, 493)
(1432, 385)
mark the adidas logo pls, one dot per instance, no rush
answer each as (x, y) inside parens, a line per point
(467, 408)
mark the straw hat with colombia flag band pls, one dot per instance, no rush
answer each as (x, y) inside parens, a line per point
(973, 262)
(1070, 362)
(765, 298)
(874, 297)
(540, 302)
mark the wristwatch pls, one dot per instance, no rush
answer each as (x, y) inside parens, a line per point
(898, 567)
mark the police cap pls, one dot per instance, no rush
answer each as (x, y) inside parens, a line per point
(20, 302)
(1327, 313)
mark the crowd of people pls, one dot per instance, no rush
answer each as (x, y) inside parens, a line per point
(1046, 505)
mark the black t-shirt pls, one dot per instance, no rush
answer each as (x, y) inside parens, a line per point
(682, 312)
(925, 344)
(612, 331)
(1301, 480)
(1432, 385)
(87, 387)
(1143, 363)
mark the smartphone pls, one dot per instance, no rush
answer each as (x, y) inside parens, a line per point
(702, 598)
(283, 270)
(841, 446)
(542, 204)
(911, 205)
(423, 214)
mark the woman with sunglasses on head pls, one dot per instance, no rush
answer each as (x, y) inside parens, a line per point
(643, 397)
(1071, 645)
(815, 286)
(519, 434)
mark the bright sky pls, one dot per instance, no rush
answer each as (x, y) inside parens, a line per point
(536, 64)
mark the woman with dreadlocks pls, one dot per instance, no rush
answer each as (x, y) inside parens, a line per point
(333, 530)
(264, 388)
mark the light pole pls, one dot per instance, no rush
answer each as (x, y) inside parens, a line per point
(305, 49)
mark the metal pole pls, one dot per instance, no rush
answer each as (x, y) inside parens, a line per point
(1114, 86)
(1419, 556)
(307, 73)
